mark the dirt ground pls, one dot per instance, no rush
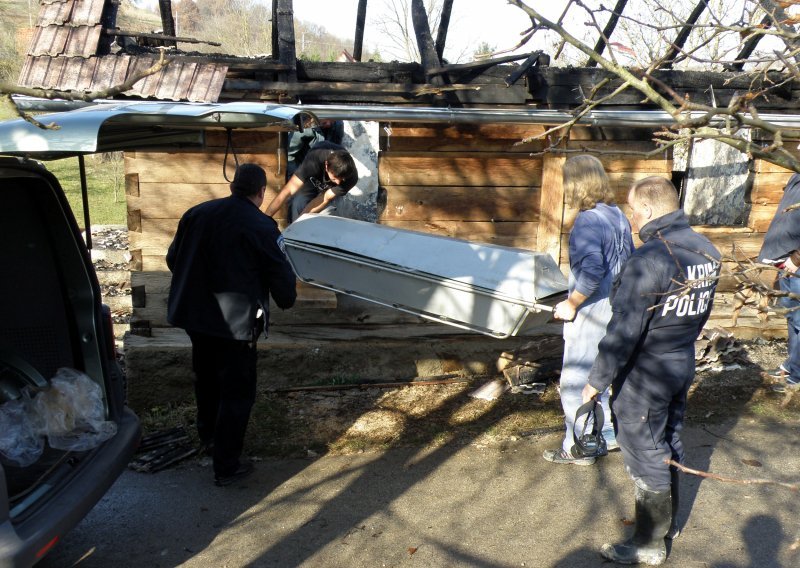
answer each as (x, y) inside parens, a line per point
(344, 419)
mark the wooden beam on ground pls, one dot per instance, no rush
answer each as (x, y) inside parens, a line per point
(608, 30)
(361, 17)
(444, 24)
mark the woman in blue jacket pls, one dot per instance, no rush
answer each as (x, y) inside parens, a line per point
(599, 243)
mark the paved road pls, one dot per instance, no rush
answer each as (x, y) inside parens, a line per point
(456, 505)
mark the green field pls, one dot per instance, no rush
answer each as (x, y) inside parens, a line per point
(105, 180)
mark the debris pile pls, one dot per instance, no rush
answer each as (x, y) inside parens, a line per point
(716, 350)
(528, 368)
(162, 449)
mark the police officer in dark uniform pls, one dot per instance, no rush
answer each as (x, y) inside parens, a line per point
(660, 302)
(226, 261)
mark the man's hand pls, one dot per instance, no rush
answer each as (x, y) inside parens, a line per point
(564, 311)
(588, 393)
(790, 266)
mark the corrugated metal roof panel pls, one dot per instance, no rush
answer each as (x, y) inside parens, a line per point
(144, 87)
(181, 80)
(66, 40)
(83, 41)
(53, 79)
(208, 81)
(75, 12)
(177, 81)
(49, 40)
(34, 71)
(111, 70)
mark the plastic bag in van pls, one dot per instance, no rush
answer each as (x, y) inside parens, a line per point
(20, 444)
(71, 412)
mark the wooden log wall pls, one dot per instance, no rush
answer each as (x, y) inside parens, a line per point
(743, 244)
(474, 182)
(464, 181)
(161, 187)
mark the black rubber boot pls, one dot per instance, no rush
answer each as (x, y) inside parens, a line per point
(674, 529)
(646, 546)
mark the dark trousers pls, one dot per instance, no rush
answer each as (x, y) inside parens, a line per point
(649, 405)
(225, 390)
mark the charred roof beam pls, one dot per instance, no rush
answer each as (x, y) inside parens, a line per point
(600, 46)
(683, 35)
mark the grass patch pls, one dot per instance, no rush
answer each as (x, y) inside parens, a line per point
(105, 174)
(105, 182)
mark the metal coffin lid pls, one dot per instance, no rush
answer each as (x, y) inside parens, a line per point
(485, 288)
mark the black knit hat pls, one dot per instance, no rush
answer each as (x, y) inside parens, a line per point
(249, 179)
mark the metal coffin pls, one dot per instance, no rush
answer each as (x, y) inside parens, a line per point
(498, 291)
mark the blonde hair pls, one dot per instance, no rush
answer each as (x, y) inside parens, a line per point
(586, 183)
(658, 193)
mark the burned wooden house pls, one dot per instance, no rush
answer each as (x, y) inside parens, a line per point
(449, 149)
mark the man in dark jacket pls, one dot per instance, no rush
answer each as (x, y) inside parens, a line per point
(327, 173)
(660, 302)
(226, 261)
(782, 248)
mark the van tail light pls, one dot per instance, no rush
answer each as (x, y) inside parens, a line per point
(46, 548)
(108, 324)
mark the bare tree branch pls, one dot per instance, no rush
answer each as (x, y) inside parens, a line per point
(7, 90)
(699, 473)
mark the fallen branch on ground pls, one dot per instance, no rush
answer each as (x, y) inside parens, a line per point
(684, 469)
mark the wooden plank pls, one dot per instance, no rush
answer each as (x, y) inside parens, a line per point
(471, 137)
(768, 187)
(551, 207)
(512, 234)
(614, 162)
(459, 169)
(461, 203)
(155, 238)
(763, 166)
(151, 262)
(737, 243)
(194, 167)
(748, 324)
(609, 133)
(243, 140)
(132, 184)
(761, 216)
(170, 201)
(315, 91)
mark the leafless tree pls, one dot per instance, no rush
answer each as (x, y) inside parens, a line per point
(397, 29)
(717, 41)
(753, 39)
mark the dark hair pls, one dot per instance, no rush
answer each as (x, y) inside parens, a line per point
(249, 179)
(341, 164)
